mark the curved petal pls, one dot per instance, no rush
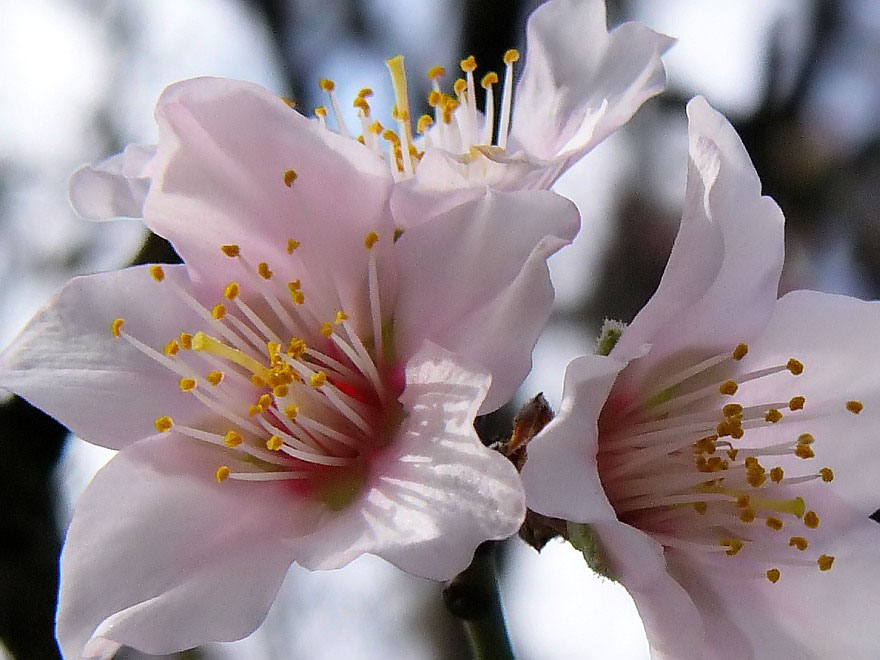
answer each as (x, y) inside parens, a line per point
(218, 178)
(672, 620)
(835, 337)
(115, 187)
(440, 494)
(492, 253)
(580, 83)
(561, 476)
(721, 281)
(161, 557)
(67, 362)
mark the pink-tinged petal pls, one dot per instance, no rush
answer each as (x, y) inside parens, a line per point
(581, 83)
(67, 362)
(672, 620)
(465, 267)
(440, 493)
(161, 557)
(561, 477)
(115, 187)
(219, 178)
(721, 282)
(835, 338)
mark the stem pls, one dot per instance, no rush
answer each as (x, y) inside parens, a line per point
(473, 598)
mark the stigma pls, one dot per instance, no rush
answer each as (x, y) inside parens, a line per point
(711, 458)
(454, 123)
(286, 393)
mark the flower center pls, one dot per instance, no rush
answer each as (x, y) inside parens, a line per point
(688, 464)
(460, 129)
(287, 395)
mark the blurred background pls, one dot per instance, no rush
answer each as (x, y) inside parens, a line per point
(800, 79)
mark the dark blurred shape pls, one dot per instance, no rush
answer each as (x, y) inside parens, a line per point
(30, 444)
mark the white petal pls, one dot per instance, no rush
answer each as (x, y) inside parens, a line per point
(561, 475)
(440, 493)
(115, 187)
(721, 281)
(161, 557)
(580, 83)
(464, 277)
(67, 362)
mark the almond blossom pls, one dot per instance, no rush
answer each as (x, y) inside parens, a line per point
(721, 461)
(579, 84)
(302, 390)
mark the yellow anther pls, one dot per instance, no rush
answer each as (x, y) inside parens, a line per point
(289, 101)
(215, 377)
(258, 382)
(806, 439)
(751, 462)
(776, 475)
(827, 474)
(281, 390)
(773, 575)
(732, 453)
(272, 348)
(361, 104)
(274, 443)
(326, 329)
(773, 416)
(855, 407)
(321, 112)
(811, 520)
(469, 64)
(289, 177)
(291, 411)
(795, 366)
(218, 311)
(425, 122)
(740, 351)
(340, 317)
(434, 98)
(187, 384)
(264, 401)
(756, 479)
(318, 379)
(365, 93)
(232, 439)
(298, 297)
(376, 128)
(186, 340)
(489, 79)
(798, 542)
(172, 348)
(327, 85)
(804, 451)
(774, 523)
(254, 410)
(296, 285)
(163, 424)
(700, 507)
(231, 291)
(731, 410)
(728, 387)
(459, 86)
(371, 239)
(296, 348)
(221, 474)
(116, 327)
(230, 250)
(157, 273)
(390, 136)
(263, 270)
(825, 562)
(797, 403)
(747, 516)
(436, 72)
(743, 501)
(733, 546)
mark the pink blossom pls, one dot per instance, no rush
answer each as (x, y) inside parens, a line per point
(721, 461)
(579, 84)
(302, 390)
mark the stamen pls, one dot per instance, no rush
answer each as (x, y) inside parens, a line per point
(289, 177)
(510, 57)
(329, 86)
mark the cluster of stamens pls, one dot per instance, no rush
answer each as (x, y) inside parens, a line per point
(460, 127)
(288, 396)
(695, 469)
